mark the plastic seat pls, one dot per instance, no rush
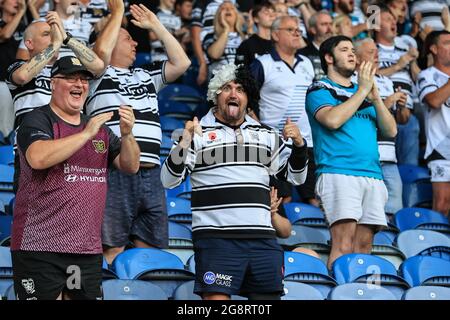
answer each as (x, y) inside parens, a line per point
(118, 289)
(169, 124)
(360, 291)
(413, 218)
(369, 269)
(307, 269)
(142, 58)
(107, 273)
(6, 177)
(180, 93)
(300, 291)
(301, 213)
(427, 293)
(417, 190)
(190, 264)
(184, 190)
(424, 242)
(383, 247)
(178, 231)
(175, 109)
(10, 294)
(185, 291)
(384, 238)
(424, 270)
(179, 210)
(132, 263)
(7, 155)
(166, 145)
(6, 271)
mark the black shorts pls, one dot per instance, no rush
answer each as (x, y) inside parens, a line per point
(44, 275)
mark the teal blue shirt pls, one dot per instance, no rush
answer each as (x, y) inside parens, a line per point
(352, 149)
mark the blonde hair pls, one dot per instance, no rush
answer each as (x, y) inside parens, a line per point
(338, 21)
(218, 29)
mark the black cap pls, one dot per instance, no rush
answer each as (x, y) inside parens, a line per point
(68, 65)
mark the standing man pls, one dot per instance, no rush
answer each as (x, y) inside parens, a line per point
(344, 119)
(320, 27)
(136, 208)
(29, 81)
(59, 207)
(434, 90)
(284, 77)
(230, 157)
(398, 62)
(259, 43)
(395, 100)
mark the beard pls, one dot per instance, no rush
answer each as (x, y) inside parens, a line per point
(342, 70)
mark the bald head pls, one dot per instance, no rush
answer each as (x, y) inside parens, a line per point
(37, 37)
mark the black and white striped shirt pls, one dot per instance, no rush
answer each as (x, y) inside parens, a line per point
(172, 23)
(431, 11)
(136, 87)
(388, 56)
(230, 169)
(34, 94)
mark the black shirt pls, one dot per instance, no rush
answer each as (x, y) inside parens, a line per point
(251, 48)
(313, 54)
(8, 49)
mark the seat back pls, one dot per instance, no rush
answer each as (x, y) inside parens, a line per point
(360, 291)
(412, 218)
(119, 289)
(185, 291)
(300, 291)
(427, 293)
(421, 270)
(415, 242)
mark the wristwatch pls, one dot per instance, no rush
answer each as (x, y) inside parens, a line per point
(66, 40)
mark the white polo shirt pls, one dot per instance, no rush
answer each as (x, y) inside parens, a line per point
(283, 91)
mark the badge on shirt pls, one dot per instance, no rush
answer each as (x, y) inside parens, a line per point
(99, 146)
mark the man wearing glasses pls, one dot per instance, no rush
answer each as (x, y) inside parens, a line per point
(230, 156)
(64, 159)
(284, 76)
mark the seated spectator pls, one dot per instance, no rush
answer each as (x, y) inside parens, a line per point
(221, 45)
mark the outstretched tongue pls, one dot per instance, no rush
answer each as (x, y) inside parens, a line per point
(233, 109)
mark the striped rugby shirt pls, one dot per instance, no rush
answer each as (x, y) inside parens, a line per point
(172, 23)
(283, 91)
(388, 56)
(431, 11)
(138, 88)
(230, 177)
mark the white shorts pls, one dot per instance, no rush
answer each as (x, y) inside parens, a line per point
(352, 197)
(440, 170)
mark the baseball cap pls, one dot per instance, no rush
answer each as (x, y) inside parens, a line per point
(69, 65)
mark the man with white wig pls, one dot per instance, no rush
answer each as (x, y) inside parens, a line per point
(230, 157)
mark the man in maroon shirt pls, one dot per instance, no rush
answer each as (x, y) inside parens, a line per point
(64, 158)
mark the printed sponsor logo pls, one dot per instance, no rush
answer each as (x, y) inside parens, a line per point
(217, 278)
(209, 277)
(71, 178)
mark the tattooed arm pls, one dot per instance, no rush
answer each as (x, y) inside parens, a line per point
(87, 57)
(32, 67)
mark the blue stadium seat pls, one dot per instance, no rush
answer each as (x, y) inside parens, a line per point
(10, 294)
(142, 58)
(118, 289)
(185, 291)
(166, 145)
(168, 124)
(301, 234)
(424, 242)
(5, 226)
(190, 264)
(7, 155)
(360, 291)
(367, 268)
(424, 270)
(175, 109)
(413, 218)
(180, 93)
(384, 238)
(6, 177)
(427, 293)
(307, 269)
(132, 263)
(417, 190)
(179, 210)
(184, 190)
(6, 271)
(178, 231)
(157, 266)
(300, 291)
(302, 213)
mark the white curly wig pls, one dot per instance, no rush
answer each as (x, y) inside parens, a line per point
(221, 76)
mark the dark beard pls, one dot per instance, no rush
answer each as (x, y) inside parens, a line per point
(343, 71)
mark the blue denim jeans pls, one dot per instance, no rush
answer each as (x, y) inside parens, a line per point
(394, 185)
(407, 142)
